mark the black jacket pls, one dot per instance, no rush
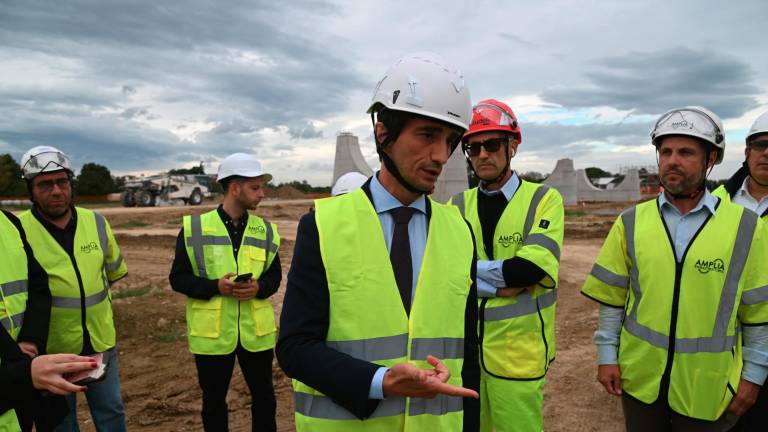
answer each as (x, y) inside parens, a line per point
(303, 354)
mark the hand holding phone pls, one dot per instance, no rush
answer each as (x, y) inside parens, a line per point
(90, 376)
(243, 277)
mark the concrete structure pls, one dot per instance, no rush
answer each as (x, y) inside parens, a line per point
(574, 185)
(453, 179)
(349, 158)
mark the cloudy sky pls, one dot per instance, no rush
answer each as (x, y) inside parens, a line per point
(146, 85)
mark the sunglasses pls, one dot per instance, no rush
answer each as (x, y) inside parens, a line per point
(758, 146)
(491, 146)
(47, 185)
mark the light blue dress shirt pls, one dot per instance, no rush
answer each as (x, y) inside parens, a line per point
(682, 229)
(489, 272)
(743, 198)
(383, 202)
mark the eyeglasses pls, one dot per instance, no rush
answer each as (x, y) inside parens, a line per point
(47, 185)
(491, 146)
(758, 146)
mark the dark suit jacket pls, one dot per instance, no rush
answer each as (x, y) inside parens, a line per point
(18, 392)
(303, 354)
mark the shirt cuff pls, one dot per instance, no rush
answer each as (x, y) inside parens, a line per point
(377, 384)
(754, 373)
(484, 289)
(492, 272)
(607, 354)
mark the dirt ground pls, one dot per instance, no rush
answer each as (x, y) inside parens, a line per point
(158, 375)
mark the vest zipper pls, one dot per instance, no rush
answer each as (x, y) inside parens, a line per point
(665, 377)
(87, 347)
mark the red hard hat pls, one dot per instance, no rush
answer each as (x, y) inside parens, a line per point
(492, 115)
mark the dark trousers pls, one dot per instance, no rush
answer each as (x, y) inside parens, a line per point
(659, 417)
(756, 419)
(214, 373)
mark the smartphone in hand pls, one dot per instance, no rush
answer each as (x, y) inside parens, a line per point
(90, 376)
(243, 277)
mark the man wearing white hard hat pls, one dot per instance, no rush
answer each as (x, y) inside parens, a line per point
(227, 265)
(75, 246)
(347, 183)
(379, 321)
(679, 280)
(748, 187)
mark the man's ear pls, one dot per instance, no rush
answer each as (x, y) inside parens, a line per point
(712, 159)
(381, 133)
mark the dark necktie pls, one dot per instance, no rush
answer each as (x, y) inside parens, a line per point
(400, 254)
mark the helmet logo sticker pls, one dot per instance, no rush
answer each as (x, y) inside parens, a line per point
(458, 82)
(414, 99)
(395, 94)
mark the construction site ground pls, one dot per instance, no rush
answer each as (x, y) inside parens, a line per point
(159, 380)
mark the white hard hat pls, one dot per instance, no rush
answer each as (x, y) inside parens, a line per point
(40, 159)
(759, 126)
(243, 165)
(348, 182)
(694, 121)
(424, 84)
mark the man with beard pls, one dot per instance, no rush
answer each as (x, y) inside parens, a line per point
(677, 278)
(521, 227)
(379, 323)
(75, 246)
(227, 265)
(748, 187)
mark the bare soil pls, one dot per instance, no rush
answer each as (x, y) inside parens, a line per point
(159, 380)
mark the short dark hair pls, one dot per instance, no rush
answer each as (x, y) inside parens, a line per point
(229, 180)
(395, 122)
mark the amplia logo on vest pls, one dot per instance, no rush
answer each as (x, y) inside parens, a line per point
(256, 229)
(88, 247)
(507, 240)
(705, 266)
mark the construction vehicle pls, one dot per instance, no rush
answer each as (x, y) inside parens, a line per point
(166, 189)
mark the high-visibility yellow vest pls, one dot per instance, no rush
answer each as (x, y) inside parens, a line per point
(13, 278)
(78, 280)
(214, 326)
(723, 194)
(368, 321)
(682, 319)
(13, 295)
(517, 334)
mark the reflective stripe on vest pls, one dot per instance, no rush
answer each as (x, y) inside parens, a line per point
(13, 321)
(518, 334)
(215, 326)
(89, 259)
(720, 341)
(197, 240)
(13, 277)
(679, 339)
(357, 326)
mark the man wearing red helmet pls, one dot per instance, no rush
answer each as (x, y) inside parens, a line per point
(521, 225)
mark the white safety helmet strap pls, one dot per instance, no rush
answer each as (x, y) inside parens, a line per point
(42, 159)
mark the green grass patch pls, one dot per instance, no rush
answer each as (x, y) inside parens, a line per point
(132, 224)
(130, 292)
(174, 221)
(168, 337)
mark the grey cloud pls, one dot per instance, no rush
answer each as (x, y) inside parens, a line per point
(306, 131)
(249, 64)
(287, 147)
(651, 83)
(517, 40)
